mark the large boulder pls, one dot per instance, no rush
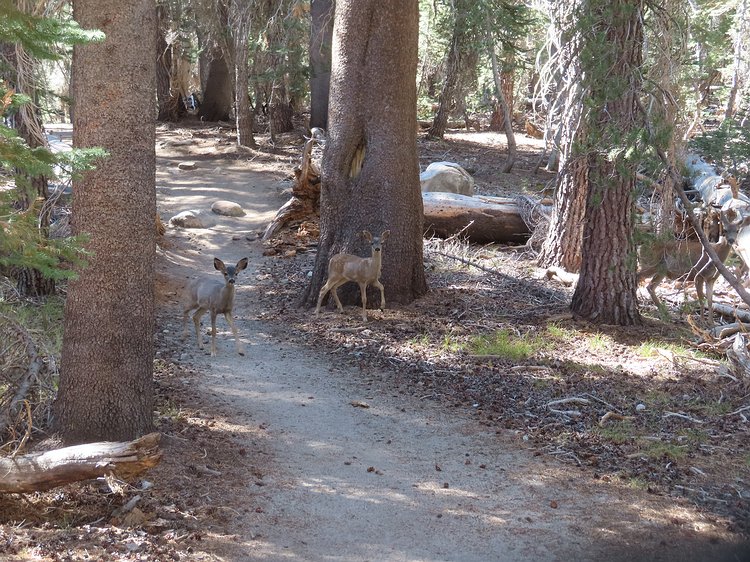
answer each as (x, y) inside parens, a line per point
(227, 209)
(187, 219)
(447, 177)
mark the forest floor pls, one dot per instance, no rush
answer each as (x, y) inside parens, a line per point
(400, 438)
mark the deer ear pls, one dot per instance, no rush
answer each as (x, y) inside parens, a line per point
(242, 264)
(385, 235)
(367, 235)
(218, 264)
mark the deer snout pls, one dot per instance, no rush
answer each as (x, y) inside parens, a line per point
(230, 281)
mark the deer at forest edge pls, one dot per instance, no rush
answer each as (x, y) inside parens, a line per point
(216, 297)
(363, 271)
(688, 260)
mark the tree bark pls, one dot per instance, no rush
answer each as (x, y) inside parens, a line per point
(452, 72)
(168, 104)
(217, 78)
(321, 34)
(507, 124)
(370, 167)
(239, 18)
(562, 246)
(38, 472)
(606, 290)
(218, 95)
(105, 390)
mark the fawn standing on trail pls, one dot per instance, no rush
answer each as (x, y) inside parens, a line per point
(363, 271)
(216, 297)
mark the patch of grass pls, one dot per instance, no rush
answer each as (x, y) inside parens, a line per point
(657, 398)
(560, 333)
(715, 408)
(508, 345)
(651, 348)
(422, 340)
(599, 342)
(693, 436)
(659, 449)
(636, 483)
(450, 344)
(617, 432)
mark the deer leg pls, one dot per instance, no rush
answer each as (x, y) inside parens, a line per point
(185, 315)
(363, 293)
(651, 288)
(197, 321)
(710, 299)
(213, 333)
(379, 285)
(335, 293)
(230, 321)
(701, 295)
(321, 294)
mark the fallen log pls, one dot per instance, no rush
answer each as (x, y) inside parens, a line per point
(37, 472)
(478, 219)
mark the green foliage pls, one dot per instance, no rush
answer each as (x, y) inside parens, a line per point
(40, 36)
(22, 242)
(728, 146)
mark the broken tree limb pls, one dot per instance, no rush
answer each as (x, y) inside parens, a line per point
(498, 220)
(738, 356)
(305, 201)
(37, 472)
(732, 312)
(10, 410)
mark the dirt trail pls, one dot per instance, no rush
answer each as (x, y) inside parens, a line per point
(355, 471)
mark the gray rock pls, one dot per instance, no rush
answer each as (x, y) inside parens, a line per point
(228, 209)
(186, 166)
(187, 219)
(447, 177)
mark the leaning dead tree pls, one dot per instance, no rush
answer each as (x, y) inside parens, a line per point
(43, 471)
(305, 201)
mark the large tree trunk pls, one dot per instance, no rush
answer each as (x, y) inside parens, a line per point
(562, 247)
(218, 95)
(280, 110)
(106, 391)
(321, 33)
(370, 169)
(497, 120)
(239, 18)
(606, 290)
(168, 104)
(507, 124)
(452, 72)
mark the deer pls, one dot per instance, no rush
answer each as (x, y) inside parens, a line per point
(363, 271)
(688, 259)
(216, 297)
